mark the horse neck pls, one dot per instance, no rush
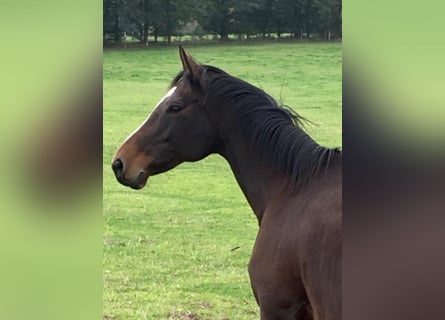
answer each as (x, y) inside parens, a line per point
(258, 179)
(255, 178)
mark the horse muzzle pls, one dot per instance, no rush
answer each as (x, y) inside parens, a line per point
(135, 183)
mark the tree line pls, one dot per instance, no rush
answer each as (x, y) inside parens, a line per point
(149, 20)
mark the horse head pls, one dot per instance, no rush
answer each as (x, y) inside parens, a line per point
(178, 129)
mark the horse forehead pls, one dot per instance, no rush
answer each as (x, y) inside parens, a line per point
(166, 96)
(170, 92)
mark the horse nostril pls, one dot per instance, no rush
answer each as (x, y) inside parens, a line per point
(118, 167)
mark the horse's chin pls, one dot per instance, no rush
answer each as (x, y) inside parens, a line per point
(140, 182)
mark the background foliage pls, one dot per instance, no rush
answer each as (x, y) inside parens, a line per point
(153, 20)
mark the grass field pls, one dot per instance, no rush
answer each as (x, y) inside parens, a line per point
(179, 248)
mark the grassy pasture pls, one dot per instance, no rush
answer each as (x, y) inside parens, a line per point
(179, 248)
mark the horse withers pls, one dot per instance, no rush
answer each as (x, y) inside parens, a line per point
(292, 183)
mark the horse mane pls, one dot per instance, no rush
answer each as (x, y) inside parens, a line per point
(274, 131)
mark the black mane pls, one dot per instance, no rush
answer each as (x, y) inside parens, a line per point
(273, 130)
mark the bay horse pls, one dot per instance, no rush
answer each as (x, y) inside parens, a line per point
(292, 183)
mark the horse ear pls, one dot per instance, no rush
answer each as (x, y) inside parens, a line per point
(188, 63)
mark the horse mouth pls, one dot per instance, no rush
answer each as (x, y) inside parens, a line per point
(138, 183)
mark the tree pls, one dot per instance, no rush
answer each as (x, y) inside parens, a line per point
(281, 16)
(117, 19)
(220, 17)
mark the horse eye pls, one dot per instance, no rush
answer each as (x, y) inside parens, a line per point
(174, 108)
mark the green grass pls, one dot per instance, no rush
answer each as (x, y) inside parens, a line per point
(169, 249)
